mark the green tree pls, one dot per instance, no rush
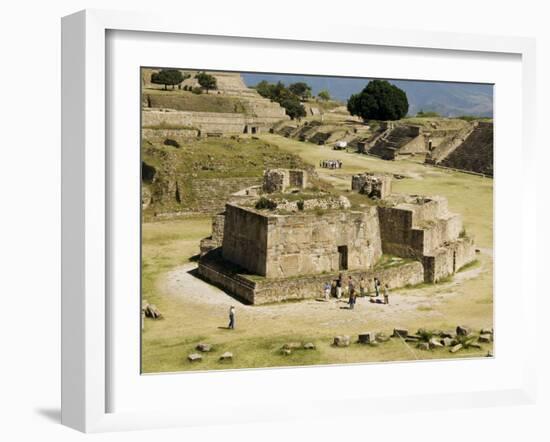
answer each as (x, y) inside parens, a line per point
(284, 96)
(324, 95)
(293, 108)
(207, 81)
(379, 100)
(168, 77)
(301, 90)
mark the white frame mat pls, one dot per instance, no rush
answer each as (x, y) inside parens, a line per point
(88, 364)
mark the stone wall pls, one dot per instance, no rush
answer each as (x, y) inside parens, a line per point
(245, 239)
(413, 229)
(264, 291)
(309, 243)
(212, 194)
(216, 239)
(448, 260)
(228, 281)
(159, 135)
(207, 122)
(372, 185)
(280, 180)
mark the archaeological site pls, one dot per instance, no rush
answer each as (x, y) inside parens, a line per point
(285, 252)
(281, 215)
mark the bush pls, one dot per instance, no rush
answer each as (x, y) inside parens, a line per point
(170, 142)
(324, 95)
(197, 90)
(266, 203)
(300, 204)
(423, 114)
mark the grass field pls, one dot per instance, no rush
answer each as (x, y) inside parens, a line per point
(197, 312)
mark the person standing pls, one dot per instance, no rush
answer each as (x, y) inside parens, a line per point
(351, 293)
(339, 286)
(377, 286)
(231, 325)
(386, 294)
(362, 285)
(327, 288)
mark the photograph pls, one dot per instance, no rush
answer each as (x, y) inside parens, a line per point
(292, 220)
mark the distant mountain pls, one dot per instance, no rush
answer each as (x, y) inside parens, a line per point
(447, 99)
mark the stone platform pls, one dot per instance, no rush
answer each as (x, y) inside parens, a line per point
(257, 290)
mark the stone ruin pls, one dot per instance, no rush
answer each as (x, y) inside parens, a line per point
(268, 256)
(375, 186)
(283, 180)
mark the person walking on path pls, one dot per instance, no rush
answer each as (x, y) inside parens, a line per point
(386, 294)
(351, 293)
(231, 325)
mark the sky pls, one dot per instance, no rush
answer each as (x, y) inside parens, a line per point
(446, 98)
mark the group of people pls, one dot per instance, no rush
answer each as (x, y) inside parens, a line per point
(331, 164)
(336, 288)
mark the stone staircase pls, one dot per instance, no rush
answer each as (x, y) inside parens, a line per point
(475, 154)
(394, 138)
(448, 145)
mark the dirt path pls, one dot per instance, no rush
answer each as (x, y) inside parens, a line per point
(406, 306)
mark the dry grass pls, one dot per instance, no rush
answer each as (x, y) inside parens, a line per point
(262, 330)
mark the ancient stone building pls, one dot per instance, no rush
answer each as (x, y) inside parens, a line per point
(282, 180)
(422, 228)
(280, 246)
(376, 186)
(269, 255)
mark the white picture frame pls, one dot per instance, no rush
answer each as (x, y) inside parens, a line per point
(86, 206)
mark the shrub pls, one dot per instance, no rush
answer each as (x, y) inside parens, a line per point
(170, 142)
(197, 90)
(265, 203)
(300, 204)
(423, 114)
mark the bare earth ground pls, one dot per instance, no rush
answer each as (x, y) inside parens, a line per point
(197, 312)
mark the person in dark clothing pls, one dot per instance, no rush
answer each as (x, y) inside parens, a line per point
(377, 286)
(351, 293)
(339, 283)
(231, 318)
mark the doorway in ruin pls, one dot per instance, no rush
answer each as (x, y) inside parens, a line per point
(342, 257)
(253, 130)
(245, 130)
(454, 262)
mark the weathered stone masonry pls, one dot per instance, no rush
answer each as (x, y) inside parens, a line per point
(268, 256)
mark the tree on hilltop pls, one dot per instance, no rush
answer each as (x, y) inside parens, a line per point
(301, 90)
(168, 77)
(207, 81)
(284, 96)
(379, 100)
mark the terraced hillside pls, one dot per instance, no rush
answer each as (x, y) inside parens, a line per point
(475, 154)
(230, 109)
(199, 175)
